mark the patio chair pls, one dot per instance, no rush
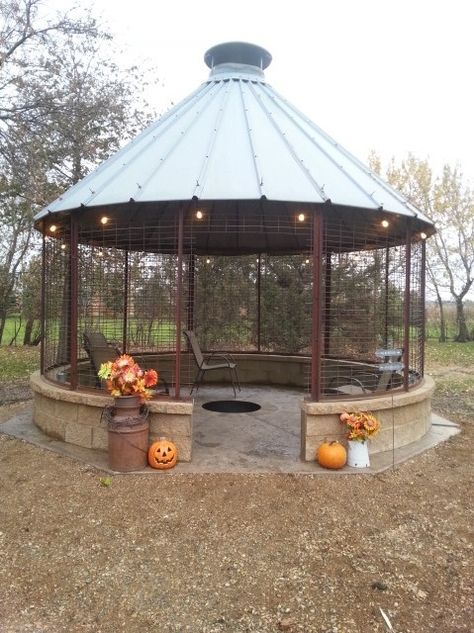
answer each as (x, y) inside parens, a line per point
(100, 350)
(367, 382)
(204, 363)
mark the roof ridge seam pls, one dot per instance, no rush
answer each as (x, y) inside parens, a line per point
(186, 103)
(207, 95)
(323, 151)
(303, 167)
(220, 113)
(255, 160)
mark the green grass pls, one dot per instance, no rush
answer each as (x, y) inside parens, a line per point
(449, 354)
(11, 325)
(18, 362)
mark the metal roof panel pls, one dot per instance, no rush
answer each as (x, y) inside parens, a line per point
(234, 138)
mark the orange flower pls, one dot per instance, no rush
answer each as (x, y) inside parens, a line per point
(361, 425)
(371, 423)
(150, 377)
(125, 377)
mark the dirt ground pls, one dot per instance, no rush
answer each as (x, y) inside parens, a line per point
(80, 551)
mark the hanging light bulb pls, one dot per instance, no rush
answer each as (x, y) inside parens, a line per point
(423, 235)
(385, 223)
(104, 219)
(53, 228)
(301, 217)
(199, 214)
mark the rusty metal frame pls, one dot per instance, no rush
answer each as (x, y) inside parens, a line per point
(178, 303)
(259, 301)
(73, 300)
(126, 273)
(43, 294)
(423, 305)
(318, 225)
(406, 308)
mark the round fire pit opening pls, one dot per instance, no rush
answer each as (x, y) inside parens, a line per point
(231, 406)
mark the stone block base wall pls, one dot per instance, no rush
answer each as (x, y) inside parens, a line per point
(76, 417)
(405, 417)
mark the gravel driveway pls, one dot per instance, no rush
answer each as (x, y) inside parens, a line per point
(218, 553)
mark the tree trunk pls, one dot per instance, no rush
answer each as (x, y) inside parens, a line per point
(28, 331)
(442, 318)
(463, 333)
(3, 319)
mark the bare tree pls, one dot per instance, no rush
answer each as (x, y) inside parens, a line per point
(449, 202)
(64, 107)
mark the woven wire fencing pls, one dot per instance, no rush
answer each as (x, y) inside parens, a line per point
(243, 282)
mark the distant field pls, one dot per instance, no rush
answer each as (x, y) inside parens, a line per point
(139, 332)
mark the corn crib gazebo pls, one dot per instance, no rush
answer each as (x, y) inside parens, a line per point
(237, 218)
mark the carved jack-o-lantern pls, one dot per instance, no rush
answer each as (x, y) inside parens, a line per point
(162, 454)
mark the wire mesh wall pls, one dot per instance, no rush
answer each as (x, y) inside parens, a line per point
(254, 303)
(56, 314)
(127, 300)
(417, 313)
(369, 316)
(243, 282)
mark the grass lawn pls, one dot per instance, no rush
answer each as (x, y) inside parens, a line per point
(444, 354)
(18, 362)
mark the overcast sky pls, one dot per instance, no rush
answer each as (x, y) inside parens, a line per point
(396, 77)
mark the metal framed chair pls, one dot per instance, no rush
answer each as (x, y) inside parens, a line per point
(100, 350)
(204, 363)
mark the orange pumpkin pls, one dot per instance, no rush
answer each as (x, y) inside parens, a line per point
(331, 455)
(162, 454)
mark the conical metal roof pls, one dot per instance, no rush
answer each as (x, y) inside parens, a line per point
(234, 138)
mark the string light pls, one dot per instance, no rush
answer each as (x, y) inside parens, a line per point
(199, 215)
(423, 236)
(208, 261)
(104, 219)
(385, 223)
(53, 228)
(301, 217)
(63, 247)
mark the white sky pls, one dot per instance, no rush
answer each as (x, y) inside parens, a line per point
(396, 77)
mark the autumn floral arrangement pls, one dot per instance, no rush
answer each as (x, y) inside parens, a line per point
(124, 377)
(361, 426)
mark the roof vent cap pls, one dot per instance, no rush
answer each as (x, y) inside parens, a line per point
(237, 57)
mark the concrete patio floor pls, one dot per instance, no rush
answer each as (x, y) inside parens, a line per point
(264, 441)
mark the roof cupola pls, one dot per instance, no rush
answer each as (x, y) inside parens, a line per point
(237, 57)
